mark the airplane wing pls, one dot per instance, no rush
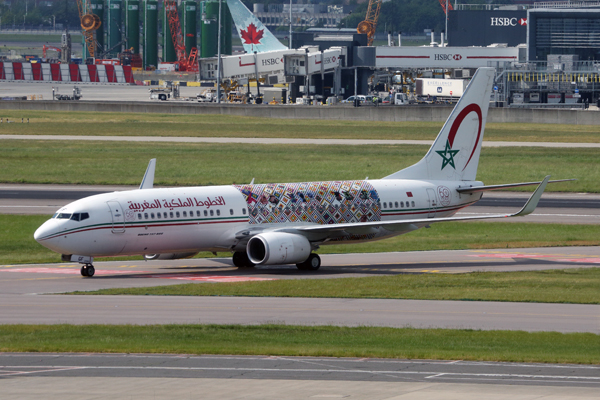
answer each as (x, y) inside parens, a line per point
(474, 189)
(361, 228)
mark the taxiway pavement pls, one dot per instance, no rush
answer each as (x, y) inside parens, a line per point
(22, 289)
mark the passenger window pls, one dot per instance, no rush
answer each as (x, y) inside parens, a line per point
(158, 215)
(75, 217)
(231, 211)
(171, 214)
(205, 213)
(244, 211)
(212, 213)
(185, 214)
(145, 215)
(84, 216)
(384, 204)
(165, 215)
(177, 214)
(197, 213)
(152, 215)
(140, 216)
(402, 204)
(413, 203)
(396, 204)
(218, 212)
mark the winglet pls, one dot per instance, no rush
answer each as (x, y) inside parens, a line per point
(533, 200)
(148, 181)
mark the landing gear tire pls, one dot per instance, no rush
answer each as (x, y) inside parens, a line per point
(241, 260)
(88, 270)
(312, 263)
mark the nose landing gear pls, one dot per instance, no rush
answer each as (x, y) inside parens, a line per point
(88, 270)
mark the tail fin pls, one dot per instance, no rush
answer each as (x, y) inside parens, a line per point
(454, 156)
(255, 36)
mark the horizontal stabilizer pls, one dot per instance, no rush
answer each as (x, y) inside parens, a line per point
(476, 189)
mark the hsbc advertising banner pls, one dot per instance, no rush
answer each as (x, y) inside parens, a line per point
(269, 62)
(442, 57)
(327, 60)
(482, 28)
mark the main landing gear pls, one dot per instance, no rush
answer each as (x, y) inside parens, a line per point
(241, 260)
(88, 270)
(312, 263)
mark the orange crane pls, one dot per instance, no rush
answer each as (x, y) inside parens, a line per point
(370, 23)
(185, 63)
(443, 4)
(46, 48)
(89, 24)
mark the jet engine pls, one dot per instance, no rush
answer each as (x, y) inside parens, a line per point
(169, 256)
(278, 248)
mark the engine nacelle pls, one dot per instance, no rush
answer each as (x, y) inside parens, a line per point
(169, 256)
(278, 248)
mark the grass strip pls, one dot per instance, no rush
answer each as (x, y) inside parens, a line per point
(324, 341)
(72, 162)
(17, 245)
(136, 124)
(580, 285)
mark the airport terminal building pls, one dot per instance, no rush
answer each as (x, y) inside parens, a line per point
(562, 41)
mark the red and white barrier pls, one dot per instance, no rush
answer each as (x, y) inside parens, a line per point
(16, 71)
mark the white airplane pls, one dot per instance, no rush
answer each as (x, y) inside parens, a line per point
(283, 223)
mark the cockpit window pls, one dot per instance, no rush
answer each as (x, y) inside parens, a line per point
(77, 216)
(63, 216)
(55, 215)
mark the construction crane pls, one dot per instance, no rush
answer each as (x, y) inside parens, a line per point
(89, 24)
(45, 49)
(443, 4)
(370, 23)
(185, 63)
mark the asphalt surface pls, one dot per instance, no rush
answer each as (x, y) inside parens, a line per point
(346, 142)
(22, 289)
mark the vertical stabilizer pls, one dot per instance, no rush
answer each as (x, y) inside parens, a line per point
(454, 156)
(255, 36)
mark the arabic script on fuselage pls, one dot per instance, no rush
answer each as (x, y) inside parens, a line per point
(177, 203)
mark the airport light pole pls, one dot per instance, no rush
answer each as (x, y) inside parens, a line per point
(219, 57)
(290, 42)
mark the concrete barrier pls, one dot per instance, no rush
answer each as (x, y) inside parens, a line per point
(340, 112)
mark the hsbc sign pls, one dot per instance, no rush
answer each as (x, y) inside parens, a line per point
(448, 57)
(499, 21)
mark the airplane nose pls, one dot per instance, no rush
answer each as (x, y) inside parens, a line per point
(42, 232)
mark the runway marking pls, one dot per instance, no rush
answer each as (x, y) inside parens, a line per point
(430, 374)
(215, 278)
(511, 255)
(65, 271)
(581, 260)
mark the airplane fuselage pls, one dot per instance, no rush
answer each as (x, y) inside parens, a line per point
(215, 218)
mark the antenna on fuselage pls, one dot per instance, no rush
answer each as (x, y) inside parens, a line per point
(252, 183)
(148, 181)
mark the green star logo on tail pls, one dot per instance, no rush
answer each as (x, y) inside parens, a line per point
(448, 155)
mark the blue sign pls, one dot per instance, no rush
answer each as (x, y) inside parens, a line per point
(495, 88)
